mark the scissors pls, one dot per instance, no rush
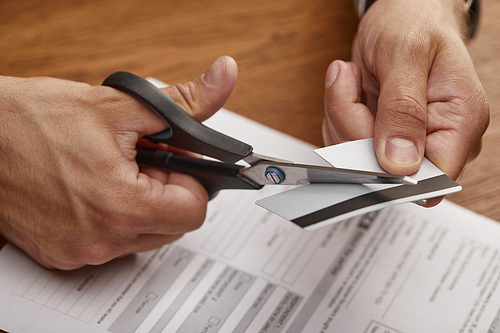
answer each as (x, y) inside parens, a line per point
(223, 173)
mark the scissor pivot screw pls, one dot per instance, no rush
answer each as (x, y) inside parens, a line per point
(275, 175)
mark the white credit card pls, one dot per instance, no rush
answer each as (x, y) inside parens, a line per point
(316, 205)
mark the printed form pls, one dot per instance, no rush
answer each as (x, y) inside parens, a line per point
(401, 269)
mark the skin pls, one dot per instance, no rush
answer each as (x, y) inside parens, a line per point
(411, 86)
(71, 193)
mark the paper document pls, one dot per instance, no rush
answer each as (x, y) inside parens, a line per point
(401, 269)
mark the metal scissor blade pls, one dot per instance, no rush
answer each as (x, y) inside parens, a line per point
(289, 173)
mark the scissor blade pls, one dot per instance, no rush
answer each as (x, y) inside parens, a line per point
(286, 173)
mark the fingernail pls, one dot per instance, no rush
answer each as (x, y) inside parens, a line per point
(216, 73)
(401, 151)
(331, 74)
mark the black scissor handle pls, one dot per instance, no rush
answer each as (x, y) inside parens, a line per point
(184, 131)
(213, 175)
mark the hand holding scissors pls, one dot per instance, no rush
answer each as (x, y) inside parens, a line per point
(187, 133)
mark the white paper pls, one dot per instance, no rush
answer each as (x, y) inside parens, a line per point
(317, 205)
(400, 269)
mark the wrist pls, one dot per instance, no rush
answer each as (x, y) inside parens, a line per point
(466, 13)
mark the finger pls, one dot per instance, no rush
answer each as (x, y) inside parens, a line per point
(451, 150)
(176, 207)
(458, 116)
(346, 117)
(202, 97)
(401, 120)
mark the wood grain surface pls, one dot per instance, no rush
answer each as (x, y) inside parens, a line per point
(282, 47)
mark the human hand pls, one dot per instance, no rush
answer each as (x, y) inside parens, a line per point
(71, 192)
(412, 86)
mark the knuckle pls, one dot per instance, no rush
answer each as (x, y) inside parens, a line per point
(108, 218)
(406, 111)
(107, 101)
(94, 253)
(472, 112)
(185, 96)
(104, 94)
(116, 227)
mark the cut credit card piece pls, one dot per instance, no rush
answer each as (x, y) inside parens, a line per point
(316, 205)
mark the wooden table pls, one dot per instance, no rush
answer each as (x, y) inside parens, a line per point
(282, 47)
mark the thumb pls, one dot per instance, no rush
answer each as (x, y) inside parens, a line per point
(346, 117)
(202, 97)
(401, 121)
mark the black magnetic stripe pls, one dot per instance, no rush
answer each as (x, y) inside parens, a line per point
(424, 186)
